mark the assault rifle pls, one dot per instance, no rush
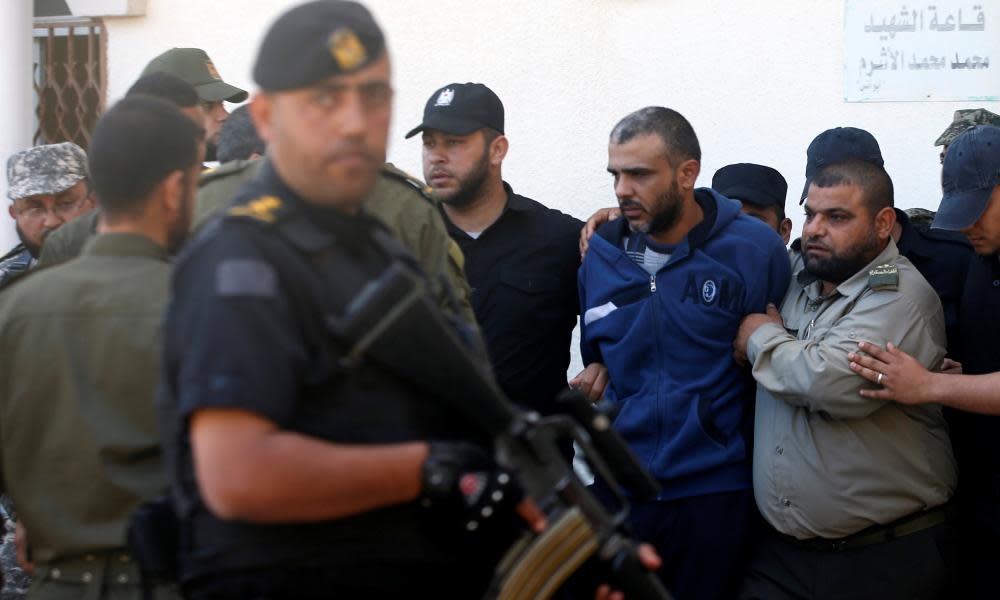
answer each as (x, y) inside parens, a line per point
(394, 322)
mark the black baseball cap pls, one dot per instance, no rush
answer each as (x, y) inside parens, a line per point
(460, 109)
(316, 40)
(837, 145)
(970, 173)
(755, 184)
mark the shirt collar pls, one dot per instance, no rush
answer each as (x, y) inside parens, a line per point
(515, 202)
(125, 244)
(855, 284)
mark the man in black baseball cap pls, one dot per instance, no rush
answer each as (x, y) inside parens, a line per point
(460, 109)
(761, 190)
(521, 258)
(970, 205)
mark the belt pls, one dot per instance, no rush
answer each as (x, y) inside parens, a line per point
(877, 534)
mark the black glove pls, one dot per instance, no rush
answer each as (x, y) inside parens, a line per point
(461, 477)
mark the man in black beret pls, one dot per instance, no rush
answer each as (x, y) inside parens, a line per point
(761, 190)
(299, 468)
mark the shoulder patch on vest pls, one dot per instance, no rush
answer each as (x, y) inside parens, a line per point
(884, 277)
(263, 209)
(390, 170)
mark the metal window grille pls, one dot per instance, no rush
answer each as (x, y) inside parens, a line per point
(70, 79)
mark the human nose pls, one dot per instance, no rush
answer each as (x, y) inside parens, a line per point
(623, 188)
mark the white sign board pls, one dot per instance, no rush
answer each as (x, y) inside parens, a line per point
(902, 51)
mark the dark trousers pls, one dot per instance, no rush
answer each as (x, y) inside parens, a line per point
(914, 567)
(979, 545)
(703, 541)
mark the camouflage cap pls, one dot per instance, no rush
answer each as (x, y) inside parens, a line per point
(45, 170)
(920, 216)
(966, 119)
(195, 67)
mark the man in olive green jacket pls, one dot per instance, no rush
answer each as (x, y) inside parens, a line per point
(85, 416)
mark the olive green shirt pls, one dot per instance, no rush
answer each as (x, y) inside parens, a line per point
(79, 448)
(828, 462)
(400, 201)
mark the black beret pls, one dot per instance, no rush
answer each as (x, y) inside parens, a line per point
(317, 40)
(756, 184)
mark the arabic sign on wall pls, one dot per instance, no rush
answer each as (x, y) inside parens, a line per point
(943, 50)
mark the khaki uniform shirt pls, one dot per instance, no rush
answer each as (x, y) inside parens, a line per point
(79, 448)
(828, 462)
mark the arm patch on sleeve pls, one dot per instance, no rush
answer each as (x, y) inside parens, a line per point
(245, 277)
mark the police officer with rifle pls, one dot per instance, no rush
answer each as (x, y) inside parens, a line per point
(328, 431)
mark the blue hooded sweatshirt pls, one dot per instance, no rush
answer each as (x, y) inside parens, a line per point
(685, 406)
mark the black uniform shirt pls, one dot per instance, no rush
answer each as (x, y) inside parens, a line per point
(976, 436)
(522, 270)
(942, 257)
(247, 329)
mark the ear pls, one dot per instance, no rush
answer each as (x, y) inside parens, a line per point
(10, 211)
(261, 107)
(785, 230)
(172, 192)
(498, 150)
(687, 174)
(885, 219)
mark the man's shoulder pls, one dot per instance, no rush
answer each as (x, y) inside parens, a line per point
(218, 186)
(67, 241)
(228, 170)
(397, 192)
(899, 279)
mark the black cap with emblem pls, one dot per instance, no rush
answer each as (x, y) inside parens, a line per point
(317, 40)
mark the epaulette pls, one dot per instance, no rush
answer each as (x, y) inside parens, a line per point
(390, 170)
(266, 209)
(884, 277)
(224, 170)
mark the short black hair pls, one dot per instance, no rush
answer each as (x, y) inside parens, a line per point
(875, 183)
(676, 132)
(135, 146)
(167, 87)
(238, 139)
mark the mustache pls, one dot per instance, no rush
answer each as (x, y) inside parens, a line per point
(438, 172)
(816, 242)
(350, 149)
(624, 204)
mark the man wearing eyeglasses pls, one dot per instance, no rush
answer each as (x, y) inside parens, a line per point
(48, 186)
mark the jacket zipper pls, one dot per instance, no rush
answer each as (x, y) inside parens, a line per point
(652, 284)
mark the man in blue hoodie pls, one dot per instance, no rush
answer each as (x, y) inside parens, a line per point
(662, 292)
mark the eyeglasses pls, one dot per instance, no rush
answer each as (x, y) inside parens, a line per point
(63, 209)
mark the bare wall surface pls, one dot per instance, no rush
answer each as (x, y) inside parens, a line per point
(758, 80)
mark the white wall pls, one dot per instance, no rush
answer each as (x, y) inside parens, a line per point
(758, 80)
(16, 116)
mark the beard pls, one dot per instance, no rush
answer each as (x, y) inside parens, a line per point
(470, 186)
(181, 226)
(34, 249)
(664, 213)
(838, 268)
